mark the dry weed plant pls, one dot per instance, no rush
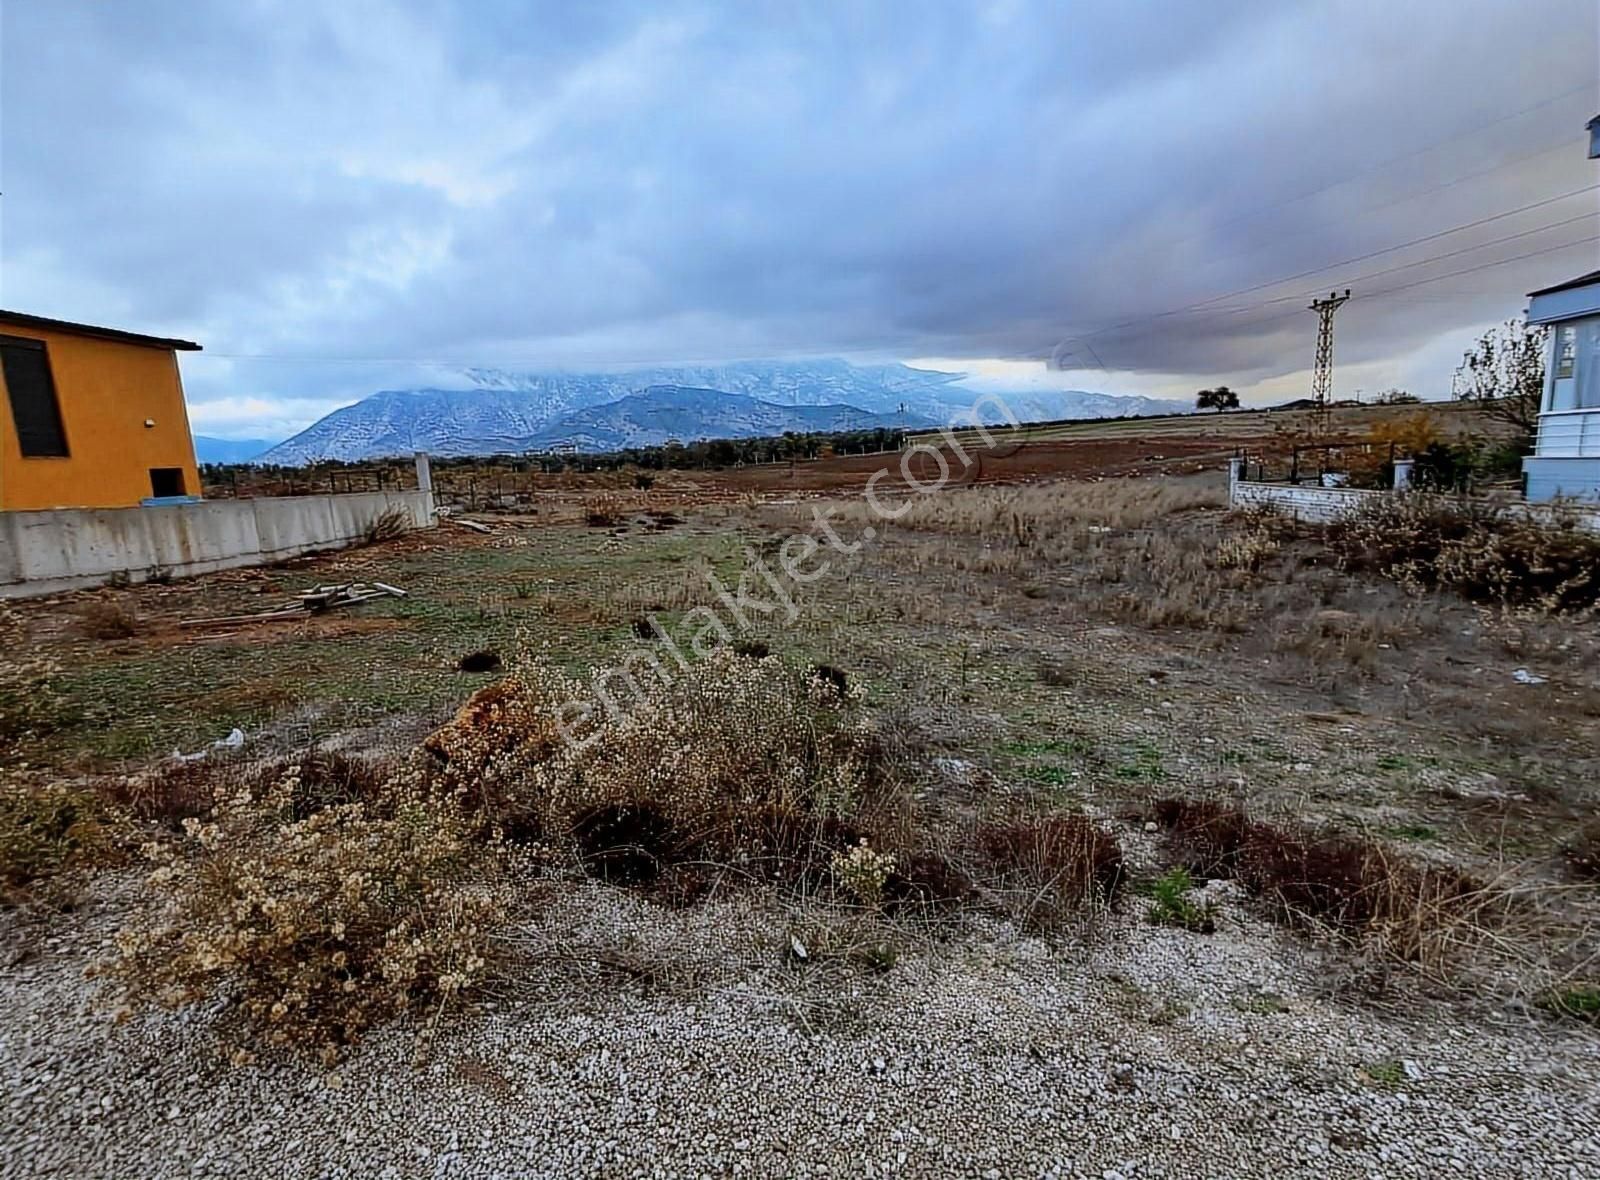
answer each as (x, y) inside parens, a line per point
(739, 761)
(27, 699)
(1045, 867)
(1448, 926)
(387, 525)
(1484, 552)
(108, 619)
(315, 928)
(47, 829)
(863, 872)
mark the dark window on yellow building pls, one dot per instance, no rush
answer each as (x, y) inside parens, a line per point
(32, 393)
(166, 481)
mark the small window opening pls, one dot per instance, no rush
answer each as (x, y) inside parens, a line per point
(32, 392)
(166, 481)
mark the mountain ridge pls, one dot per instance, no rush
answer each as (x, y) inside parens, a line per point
(504, 411)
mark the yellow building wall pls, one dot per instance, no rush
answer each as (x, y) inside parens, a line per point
(107, 390)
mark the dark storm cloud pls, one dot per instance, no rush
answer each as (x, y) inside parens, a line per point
(526, 184)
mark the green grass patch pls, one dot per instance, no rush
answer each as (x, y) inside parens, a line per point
(1171, 906)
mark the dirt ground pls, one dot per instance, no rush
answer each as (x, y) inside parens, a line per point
(1093, 643)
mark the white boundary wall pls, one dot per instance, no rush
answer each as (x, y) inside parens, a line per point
(72, 548)
(1318, 505)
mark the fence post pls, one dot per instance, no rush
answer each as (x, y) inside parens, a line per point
(1235, 465)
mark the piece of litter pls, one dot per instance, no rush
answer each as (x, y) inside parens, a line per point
(233, 741)
(1523, 676)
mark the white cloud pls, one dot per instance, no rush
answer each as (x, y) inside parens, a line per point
(355, 192)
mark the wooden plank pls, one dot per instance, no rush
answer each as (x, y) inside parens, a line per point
(238, 620)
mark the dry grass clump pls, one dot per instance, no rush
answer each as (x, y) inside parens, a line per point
(387, 525)
(27, 700)
(1040, 510)
(1047, 866)
(313, 929)
(46, 829)
(1486, 553)
(741, 762)
(1582, 852)
(1413, 913)
(108, 619)
(167, 793)
(604, 511)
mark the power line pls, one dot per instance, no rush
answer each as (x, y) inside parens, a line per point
(1437, 257)
(1137, 320)
(1368, 296)
(1475, 130)
(1444, 233)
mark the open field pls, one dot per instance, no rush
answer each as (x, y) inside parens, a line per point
(1246, 427)
(1035, 647)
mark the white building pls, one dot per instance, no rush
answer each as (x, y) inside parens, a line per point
(1566, 458)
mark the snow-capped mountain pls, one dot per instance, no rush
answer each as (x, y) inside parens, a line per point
(510, 412)
(665, 412)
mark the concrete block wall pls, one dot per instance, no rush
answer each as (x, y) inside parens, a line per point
(1318, 505)
(73, 548)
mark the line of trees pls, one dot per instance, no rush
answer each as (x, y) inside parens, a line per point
(700, 454)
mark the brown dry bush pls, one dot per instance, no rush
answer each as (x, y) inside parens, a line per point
(312, 930)
(46, 829)
(387, 525)
(1582, 852)
(1414, 913)
(744, 763)
(1039, 511)
(1046, 866)
(108, 619)
(1484, 552)
(168, 793)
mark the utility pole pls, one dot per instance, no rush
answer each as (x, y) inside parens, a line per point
(1322, 373)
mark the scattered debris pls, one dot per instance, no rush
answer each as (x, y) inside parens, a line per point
(1523, 676)
(233, 741)
(306, 604)
(474, 525)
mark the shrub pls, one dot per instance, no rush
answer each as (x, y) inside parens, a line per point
(863, 872)
(603, 511)
(1246, 551)
(168, 793)
(1482, 552)
(1048, 865)
(741, 762)
(105, 619)
(45, 829)
(1356, 887)
(28, 703)
(1582, 852)
(311, 930)
(1171, 905)
(387, 525)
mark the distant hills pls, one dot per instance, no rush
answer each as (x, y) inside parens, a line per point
(228, 450)
(502, 412)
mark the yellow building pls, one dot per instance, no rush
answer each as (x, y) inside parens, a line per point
(94, 417)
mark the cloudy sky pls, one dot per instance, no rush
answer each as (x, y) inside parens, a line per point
(335, 198)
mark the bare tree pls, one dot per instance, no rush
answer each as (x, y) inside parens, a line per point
(1504, 374)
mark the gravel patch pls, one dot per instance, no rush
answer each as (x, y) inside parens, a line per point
(1131, 1051)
